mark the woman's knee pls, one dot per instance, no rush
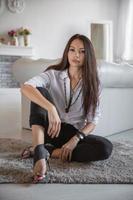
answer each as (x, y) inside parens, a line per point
(106, 149)
(102, 145)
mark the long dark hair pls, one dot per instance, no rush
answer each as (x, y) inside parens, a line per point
(90, 79)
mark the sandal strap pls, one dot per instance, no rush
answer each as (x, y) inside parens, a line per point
(49, 147)
(27, 153)
(40, 152)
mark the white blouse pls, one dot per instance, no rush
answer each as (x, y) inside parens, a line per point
(55, 81)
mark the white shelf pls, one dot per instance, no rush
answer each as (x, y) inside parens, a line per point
(16, 51)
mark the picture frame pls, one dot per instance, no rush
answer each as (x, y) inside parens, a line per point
(16, 6)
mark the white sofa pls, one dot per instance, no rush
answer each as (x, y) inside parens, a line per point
(116, 99)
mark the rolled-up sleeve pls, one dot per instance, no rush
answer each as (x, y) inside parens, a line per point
(96, 118)
(97, 115)
(42, 80)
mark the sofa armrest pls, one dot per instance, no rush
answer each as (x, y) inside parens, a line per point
(26, 68)
(114, 75)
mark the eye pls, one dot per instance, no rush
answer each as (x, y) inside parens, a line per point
(82, 51)
(71, 49)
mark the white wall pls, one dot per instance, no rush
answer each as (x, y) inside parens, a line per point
(53, 21)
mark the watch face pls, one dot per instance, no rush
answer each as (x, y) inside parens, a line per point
(81, 136)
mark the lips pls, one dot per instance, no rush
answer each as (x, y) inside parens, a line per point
(76, 61)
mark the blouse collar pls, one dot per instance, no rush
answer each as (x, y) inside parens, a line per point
(63, 74)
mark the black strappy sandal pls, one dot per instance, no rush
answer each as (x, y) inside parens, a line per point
(27, 153)
(40, 152)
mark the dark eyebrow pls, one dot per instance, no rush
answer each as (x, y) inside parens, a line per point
(74, 47)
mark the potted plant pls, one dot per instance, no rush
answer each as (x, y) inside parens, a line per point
(13, 37)
(23, 34)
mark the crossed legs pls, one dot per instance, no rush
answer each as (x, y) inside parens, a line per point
(93, 148)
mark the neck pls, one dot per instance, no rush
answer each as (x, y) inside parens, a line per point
(74, 73)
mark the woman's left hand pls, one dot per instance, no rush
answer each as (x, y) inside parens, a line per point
(67, 149)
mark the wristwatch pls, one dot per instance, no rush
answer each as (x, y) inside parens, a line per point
(80, 135)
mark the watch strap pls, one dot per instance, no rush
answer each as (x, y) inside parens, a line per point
(80, 135)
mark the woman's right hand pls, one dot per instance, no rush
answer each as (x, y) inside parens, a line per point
(54, 122)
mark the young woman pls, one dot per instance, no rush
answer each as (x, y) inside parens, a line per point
(65, 109)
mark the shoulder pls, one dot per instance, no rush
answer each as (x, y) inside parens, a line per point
(52, 73)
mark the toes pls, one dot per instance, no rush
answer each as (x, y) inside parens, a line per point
(38, 179)
(39, 171)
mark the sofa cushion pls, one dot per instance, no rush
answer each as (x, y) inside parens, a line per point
(114, 75)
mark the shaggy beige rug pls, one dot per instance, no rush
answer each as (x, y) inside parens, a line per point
(117, 169)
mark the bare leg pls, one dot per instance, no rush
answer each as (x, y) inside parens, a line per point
(38, 138)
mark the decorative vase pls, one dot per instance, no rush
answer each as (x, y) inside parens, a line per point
(14, 41)
(27, 40)
(21, 40)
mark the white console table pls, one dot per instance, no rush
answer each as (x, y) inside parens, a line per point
(8, 50)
